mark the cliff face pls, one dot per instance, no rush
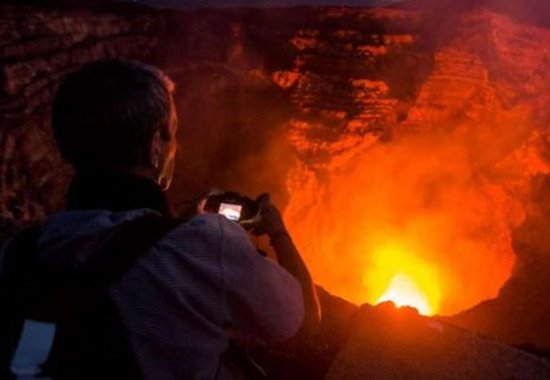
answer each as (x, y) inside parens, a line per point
(475, 97)
(37, 48)
(349, 112)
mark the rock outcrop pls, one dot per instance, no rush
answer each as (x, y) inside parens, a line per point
(428, 350)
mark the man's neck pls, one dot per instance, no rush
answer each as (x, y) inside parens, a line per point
(115, 192)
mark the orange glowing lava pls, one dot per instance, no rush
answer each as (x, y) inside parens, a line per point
(399, 276)
(422, 221)
(403, 291)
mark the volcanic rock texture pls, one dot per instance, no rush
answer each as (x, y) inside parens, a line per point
(37, 48)
(289, 99)
(428, 350)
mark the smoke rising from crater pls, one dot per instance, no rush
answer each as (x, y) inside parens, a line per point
(438, 208)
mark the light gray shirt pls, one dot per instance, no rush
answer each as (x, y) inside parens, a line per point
(179, 300)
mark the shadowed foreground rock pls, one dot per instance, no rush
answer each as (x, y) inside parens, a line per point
(388, 344)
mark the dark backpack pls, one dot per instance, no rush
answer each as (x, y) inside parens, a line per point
(90, 340)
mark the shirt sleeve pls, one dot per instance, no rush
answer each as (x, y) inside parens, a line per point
(262, 298)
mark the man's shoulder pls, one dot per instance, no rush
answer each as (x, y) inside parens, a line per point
(203, 227)
(206, 231)
(215, 225)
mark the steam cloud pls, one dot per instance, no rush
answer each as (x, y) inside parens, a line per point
(437, 207)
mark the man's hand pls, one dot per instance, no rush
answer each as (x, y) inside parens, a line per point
(270, 221)
(201, 201)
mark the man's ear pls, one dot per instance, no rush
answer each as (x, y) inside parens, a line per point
(156, 150)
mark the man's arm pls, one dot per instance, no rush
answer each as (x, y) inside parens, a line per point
(271, 224)
(261, 297)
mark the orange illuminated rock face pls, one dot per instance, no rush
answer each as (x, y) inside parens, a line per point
(333, 84)
(411, 195)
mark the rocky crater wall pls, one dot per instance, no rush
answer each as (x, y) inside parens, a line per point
(37, 48)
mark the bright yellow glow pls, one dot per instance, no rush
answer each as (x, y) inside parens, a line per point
(421, 207)
(404, 279)
(403, 291)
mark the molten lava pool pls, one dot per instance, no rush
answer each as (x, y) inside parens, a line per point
(404, 291)
(416, 284)
(419, 222)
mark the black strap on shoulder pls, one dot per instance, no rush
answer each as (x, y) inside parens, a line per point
(78, 304)
(93, 318)
(130, 242)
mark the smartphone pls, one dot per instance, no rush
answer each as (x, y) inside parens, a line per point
(231, 211)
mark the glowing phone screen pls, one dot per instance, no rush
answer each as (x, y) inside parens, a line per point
(230, 211)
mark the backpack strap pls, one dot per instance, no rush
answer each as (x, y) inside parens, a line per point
(91, 313)
(128, 244)
(92, 317)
